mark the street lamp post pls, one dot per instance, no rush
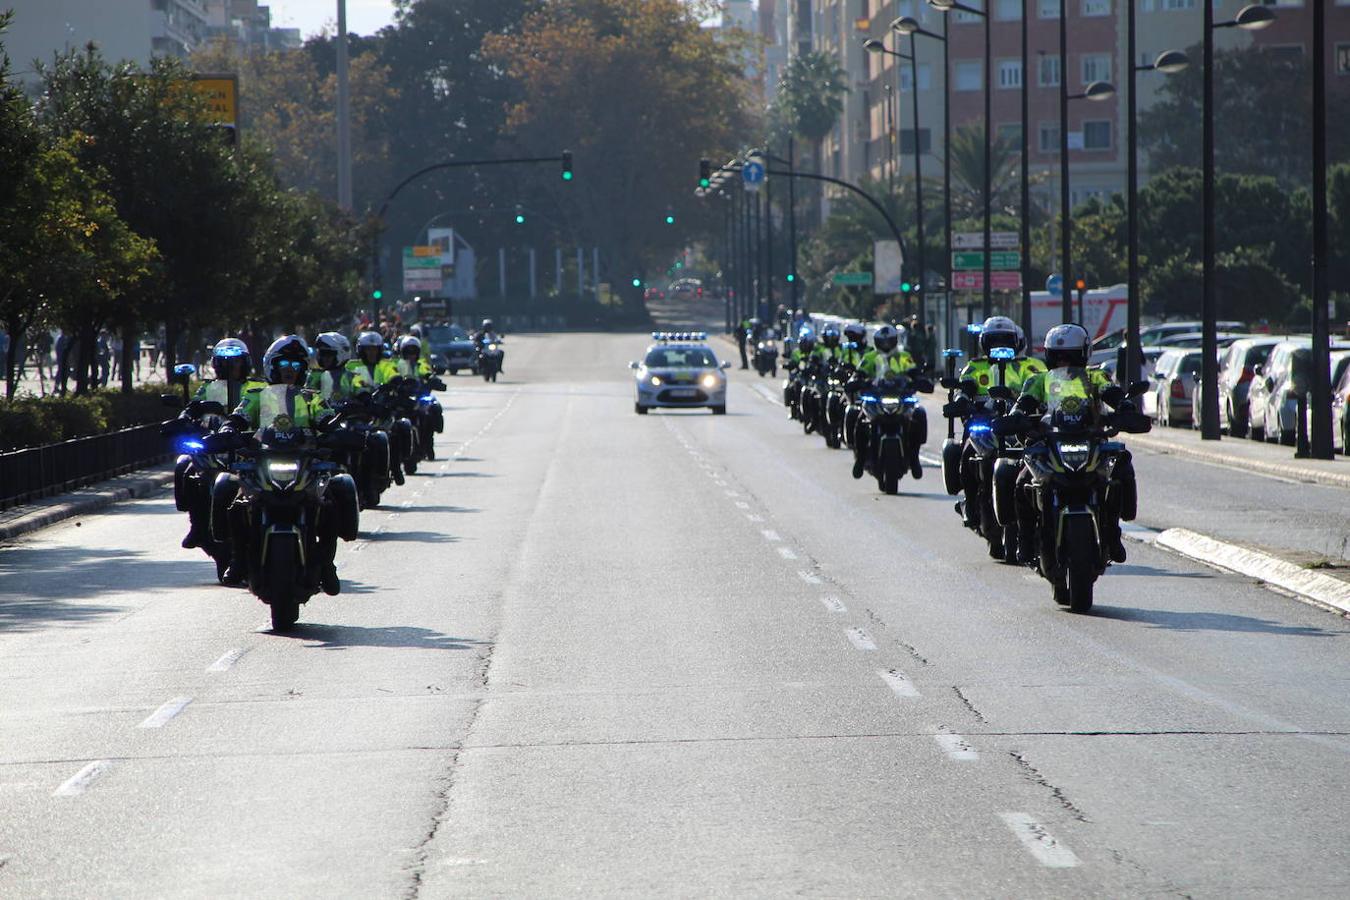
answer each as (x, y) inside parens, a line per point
(1096, 91)
(1167, 62)
(1250, 18)
(1024, 232)
(1321, 324)
(875, 46)
(946, 6)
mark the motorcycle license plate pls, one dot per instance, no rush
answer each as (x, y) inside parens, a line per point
(683, 392)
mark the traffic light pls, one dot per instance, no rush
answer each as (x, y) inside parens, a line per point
(670, 217)
(791, 278)
(704, 172)
(520, 215)
(906, 287)
(376, 294)
(1081, 284)
(637, 282)
(567, 165)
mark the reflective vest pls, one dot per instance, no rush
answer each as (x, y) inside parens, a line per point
(339, 384)
(985, 373)
(226, 393)
(294, 407)
(876, 365)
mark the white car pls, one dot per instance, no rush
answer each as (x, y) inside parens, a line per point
(680, 371)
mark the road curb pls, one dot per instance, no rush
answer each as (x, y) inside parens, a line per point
(60, 508)
(1307, 584)
(1290, 470)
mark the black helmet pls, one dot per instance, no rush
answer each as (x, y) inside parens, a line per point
(807, 342)
(289, 352)
(1067, 345)
(230, 359)
(855, 333)
(887, 338)
(829, 336)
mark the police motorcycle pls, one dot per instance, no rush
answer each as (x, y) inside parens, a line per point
(369, 462)
(413, 398)
(766, 354)
(1068, 493)
(841, 375)
(490, 359)
(814, 390)
(195, 469)
(797, 374)
(969, 465)
(890, 422)
(286, 501)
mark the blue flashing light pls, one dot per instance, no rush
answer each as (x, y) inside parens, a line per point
(230, 351)
(952, 353)
(428, 398)
(911, 400)
(975, 327)
(868, 398)
(190, 446)
(1003, 353)
(979, 429)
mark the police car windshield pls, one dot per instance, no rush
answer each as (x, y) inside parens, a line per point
(680, 358)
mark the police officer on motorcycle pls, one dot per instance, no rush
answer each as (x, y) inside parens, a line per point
(332, 378)
(888, 360)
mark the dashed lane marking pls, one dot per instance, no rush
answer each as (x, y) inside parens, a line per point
(956, 747)
(1040, 843)
(741, 504)
(787, 553)
(770, 535)
(754, 518)
(809, 577)
(162, 716)
(899, 684)
(228, 659)
(860, 639)
(833, 604)
(80, 781)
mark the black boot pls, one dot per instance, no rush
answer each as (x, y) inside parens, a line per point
(328, 580)
(915, 466)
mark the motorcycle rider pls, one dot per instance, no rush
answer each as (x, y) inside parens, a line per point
(283, 399)
(855, 333)
(885, 360)
(410, 362)
(486, 335)
(1067, 348)
(801, 355)
(233, 367)
(332, 378)
(829, 350)
(370, 362)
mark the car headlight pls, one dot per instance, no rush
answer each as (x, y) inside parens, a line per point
(709, 380)
(1075, 456)
(282, 471)
(655, 380)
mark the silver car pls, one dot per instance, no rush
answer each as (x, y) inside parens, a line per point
(680, 371)
(1173, 382)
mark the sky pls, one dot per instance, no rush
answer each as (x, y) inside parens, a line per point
(314, 16)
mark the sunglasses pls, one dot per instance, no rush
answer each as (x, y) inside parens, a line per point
(290, 364)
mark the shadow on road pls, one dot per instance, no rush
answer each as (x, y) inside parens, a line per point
(1207, 621)
(340, 637)
(1154, 572)
(424, 537)
(444, 509)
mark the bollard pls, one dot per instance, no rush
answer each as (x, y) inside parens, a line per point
(1302, 450)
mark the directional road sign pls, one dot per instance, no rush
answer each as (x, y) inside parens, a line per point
(974, 240)
(970, 260)
(1055, 284)
(853, 279)
(999, 281)
(752, 173)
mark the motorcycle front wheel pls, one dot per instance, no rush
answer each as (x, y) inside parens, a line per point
(1082, 566)
(278, 581)
(888, 478)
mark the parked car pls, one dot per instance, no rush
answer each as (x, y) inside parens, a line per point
(1108, 345)
(1237, 368)
(1173, 381)
(1340, 381)
(1273, 399)
(1196, 339)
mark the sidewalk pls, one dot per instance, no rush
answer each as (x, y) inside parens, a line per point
(1241, 453)
(21, 520)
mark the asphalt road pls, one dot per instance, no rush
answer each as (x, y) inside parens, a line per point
(598, 654)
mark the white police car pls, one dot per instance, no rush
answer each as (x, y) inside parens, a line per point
(680, 370)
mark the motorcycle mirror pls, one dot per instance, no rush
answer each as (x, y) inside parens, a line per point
(439, 370)
(633, 365)
(923, 385)
(726, 364)
(437, 384)
(1006, 426)
(950, 382)
(172, 400)
(1001, 392)
(1132, 422)
(212, 407)
(1137, 389)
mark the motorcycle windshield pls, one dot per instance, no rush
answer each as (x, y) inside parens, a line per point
(1070, 398)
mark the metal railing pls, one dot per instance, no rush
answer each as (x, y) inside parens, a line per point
(26, 475)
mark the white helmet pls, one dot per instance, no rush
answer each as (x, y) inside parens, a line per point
(291, 348)
(1067, 345)
(408, 340)
(331, 340)
(1001, 331)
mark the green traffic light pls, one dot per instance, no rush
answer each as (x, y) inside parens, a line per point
(567, 176)
(637, 282)
(679, 264)
(791, 277)
(376, 295)
(670, 220)
(520, 219)
(904, 287)
(704, 182)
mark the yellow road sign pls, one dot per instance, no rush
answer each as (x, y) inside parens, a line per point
(221, 93)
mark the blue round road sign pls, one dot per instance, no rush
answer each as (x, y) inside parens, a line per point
(1055, 284)
(752, 173)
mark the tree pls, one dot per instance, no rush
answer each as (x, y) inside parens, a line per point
(639, 91)
(967, 151)
(810, 96)
(1250, 287)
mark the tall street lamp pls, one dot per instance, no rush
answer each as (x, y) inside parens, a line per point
(910, 26)
(877, 47)
(946, 6)
(1097, 91)
(1168, 62)
(1250, 18)
(1321, 325)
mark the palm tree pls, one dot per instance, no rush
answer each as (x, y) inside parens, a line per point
(968, 173)
(811, 95)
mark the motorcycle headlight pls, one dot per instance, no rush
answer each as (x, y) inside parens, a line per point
(709, 380)
(1074, 456)
(492, 346)
(282, 471)
(890, 404)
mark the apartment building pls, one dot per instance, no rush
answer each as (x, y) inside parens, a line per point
(133, 30)
(249, 23)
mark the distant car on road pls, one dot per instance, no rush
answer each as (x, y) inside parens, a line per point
(680, 370)
(1173, 381)
(451, 349)
(685, 288)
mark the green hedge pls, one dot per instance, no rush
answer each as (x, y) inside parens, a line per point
(28, 421)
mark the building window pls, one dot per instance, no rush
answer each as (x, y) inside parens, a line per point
(1176, 4)
(907, 77)
(1096, 67)
(1010, 132)
(1010, 73)
(1047, 9)
(969, 16)
(1049, 71)
(907, 140)
(1048, 138)
(968, 75)
(1343, 59)
(1011, 10)
(1097, 135)
(1096, 7)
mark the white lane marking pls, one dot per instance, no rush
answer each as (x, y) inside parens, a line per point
(741, 504)
(77, 783)
(930, 459)
(227, 660)
(833, 604)
(764, 392)
(899, 684)
(860, 639)
(957, 747)
(392, 516)
(809, 577)
(770, 535)
(1039, 842)
(786, 553)
(754, 518)
(406, 504)
(161, 717)
(720, 483)
(732, 493)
